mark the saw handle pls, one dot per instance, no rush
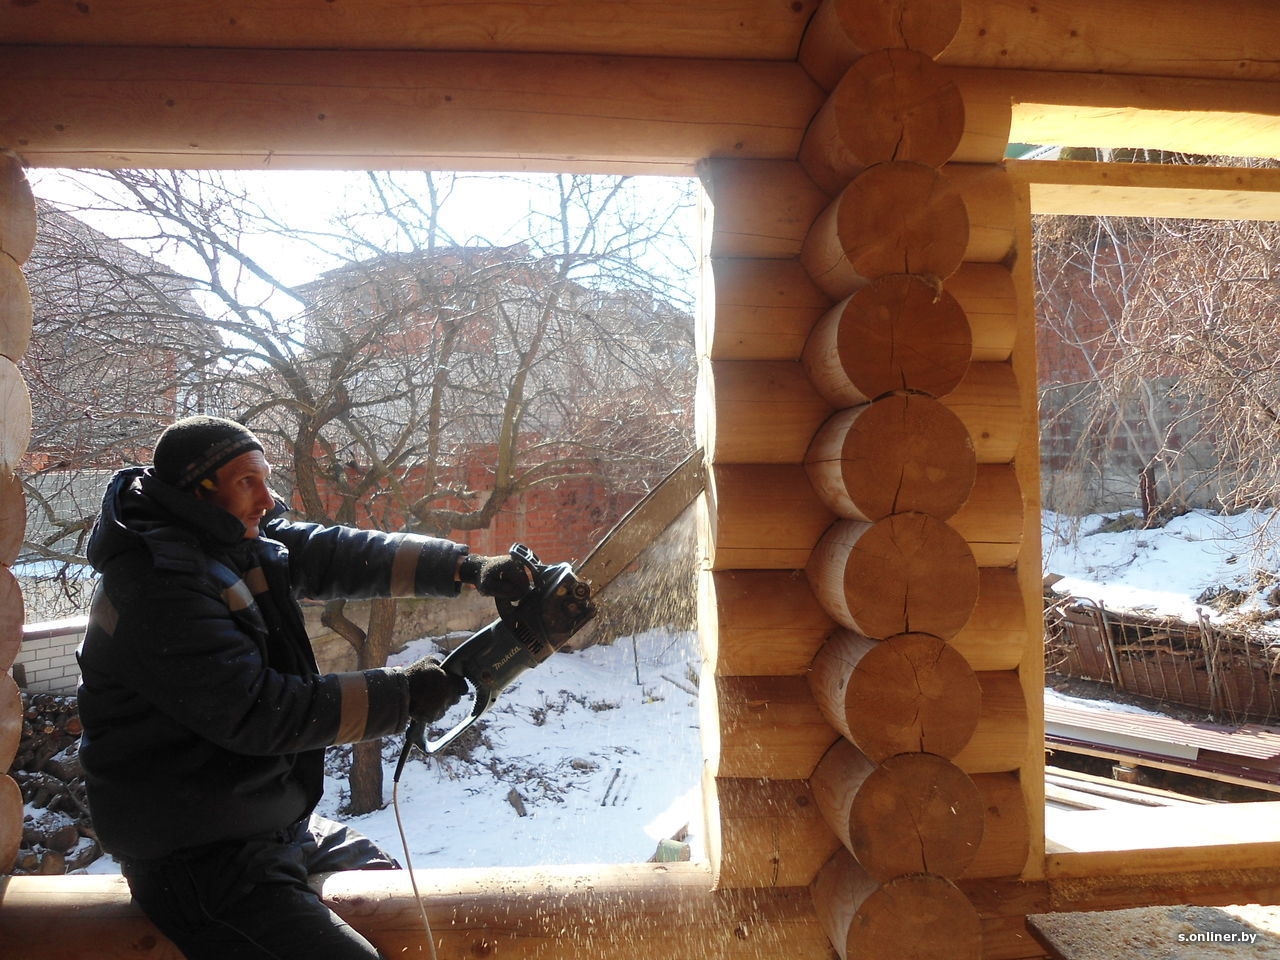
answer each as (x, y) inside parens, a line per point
(416, 734)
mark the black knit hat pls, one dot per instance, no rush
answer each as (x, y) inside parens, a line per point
(194, 448)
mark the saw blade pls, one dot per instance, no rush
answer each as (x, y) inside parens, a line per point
(644, 522)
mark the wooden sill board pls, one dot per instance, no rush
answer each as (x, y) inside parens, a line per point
(1096, 843)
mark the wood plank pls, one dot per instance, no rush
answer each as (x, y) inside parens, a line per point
(1078, 188)
(759, 29)
(1171, 838)
(1225, 117)
(106, 106)
(1029, 568)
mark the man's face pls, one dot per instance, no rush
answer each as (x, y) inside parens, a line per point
(240, 488)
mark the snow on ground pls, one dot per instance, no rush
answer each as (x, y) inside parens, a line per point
(1165, 569)
(604, 766)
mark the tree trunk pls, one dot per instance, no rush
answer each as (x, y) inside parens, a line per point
(372, 648)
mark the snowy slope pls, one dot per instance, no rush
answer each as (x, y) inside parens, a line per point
(1166, 570)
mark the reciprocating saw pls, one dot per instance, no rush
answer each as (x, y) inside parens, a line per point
(526, 633)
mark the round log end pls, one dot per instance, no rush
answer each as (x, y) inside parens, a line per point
(918, 915)
(902, 453)
(10, 822)
(10, 721)
(15, 424)
(924, 25)
(898, 105)
(899, 333)
(907, 573)
(896, 217)
(916, 813)
(912, 692)
(15, 310)
(17, 210)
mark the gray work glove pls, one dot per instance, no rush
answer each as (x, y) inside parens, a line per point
(431, 691)
(503, 578)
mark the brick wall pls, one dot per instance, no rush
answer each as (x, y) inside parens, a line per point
(46, 660)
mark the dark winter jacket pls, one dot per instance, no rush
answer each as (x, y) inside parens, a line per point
(204, 716)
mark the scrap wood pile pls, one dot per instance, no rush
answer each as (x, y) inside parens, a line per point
(1226, 671)
(57, 834)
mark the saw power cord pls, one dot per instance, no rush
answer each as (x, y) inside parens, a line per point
(408, 861)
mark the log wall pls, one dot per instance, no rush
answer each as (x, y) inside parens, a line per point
(17, 237)
(866, 608)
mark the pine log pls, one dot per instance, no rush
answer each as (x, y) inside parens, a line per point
(10, 720)
(897, 217)
(519, 913)
(890, 105)
(987, 294)
(13, 524)
(761, 310)
(1000, 742)
(15, 416)
(753, 30)
(759, 208)
(397, 108)
(989, 403)
(765, 833)
(1155, 37)
(907, 573)
(918, 915)
(10, 822)
(899, 332)
(997, 635)
(760, 517)
(764, 31)
(767, 727)
(909, 693)
(758, 411)
(12, 616)
(842, 31)
(15, 310)
(1006, 832)
(902, 453)
(17, 210)
(759, 622)
(912, 813)
(987, 191)
(991, 520)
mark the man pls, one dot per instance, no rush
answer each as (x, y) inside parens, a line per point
(205, 718)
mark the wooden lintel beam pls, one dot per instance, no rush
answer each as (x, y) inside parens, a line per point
(566, 913)
(755, 29)
(116, 107)
(1217, 117)
(1079, 188)
(1170, 38)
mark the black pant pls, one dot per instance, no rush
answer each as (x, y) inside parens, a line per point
(249, 899)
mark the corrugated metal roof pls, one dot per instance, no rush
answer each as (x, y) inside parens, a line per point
(1159, 734)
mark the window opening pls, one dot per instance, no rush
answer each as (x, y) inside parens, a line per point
(1159, 522)
(492, 358)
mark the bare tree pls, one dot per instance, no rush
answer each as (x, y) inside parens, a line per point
(421, 383)
(1160, 369)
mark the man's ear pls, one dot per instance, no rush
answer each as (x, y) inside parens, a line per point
(204, 488)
